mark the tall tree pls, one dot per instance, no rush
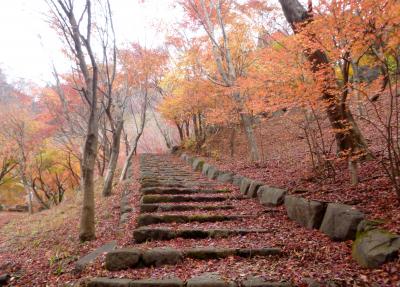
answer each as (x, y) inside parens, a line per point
(79, 40)
(348, 135)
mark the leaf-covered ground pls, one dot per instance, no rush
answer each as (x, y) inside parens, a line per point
(41, 250)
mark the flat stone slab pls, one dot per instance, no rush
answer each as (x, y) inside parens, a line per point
(180, 198)
(204, 253)
(167, 208)
(259, 282)
(81, 264)
(172, 191)
(144, 234)
(109, 282)
(157, 283)
(116, 282)
(148, 219)
(209, 280)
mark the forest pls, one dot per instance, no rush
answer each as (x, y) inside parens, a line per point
(299, 97)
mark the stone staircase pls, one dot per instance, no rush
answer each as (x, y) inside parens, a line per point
(180, 206)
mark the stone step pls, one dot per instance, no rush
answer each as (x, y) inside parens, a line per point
(203, 280)
(148, 219)
(177, 191)
(171, 207)
(125, 258)
(180, 198)
(143, 234)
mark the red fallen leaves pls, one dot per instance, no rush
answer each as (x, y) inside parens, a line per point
(307, 253)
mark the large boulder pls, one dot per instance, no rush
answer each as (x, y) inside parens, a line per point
(374, 247)
(123, 259)
(197, 164)
(253, 188)
(162, 256)
(225, 177)
(340, 221)
(244, 185)
(307, 213)
(271, 196)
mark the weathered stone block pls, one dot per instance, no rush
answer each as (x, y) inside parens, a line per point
(209, 280)
(108, 282)
(271, 196)
(307, 213)
(253, 188)
(81, 264)
(375, 247)
(237, 179)
(259, 282)
(204, 253)
(340, 221)
(212, 172)
(244, 185)
(162, 256)
(197, 164)
(157, 283)
(225, 177)
(205, 168)
(122, 259)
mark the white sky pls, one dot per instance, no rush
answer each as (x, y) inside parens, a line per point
(23, 23)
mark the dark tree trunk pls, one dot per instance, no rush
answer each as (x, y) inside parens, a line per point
(347, 134)
(195, 128)
(187, 125)
(180, 130)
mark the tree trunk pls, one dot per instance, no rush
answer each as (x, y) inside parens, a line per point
(347, 133)
(87, 223)
(195, 128)
(180, 130)
(187, 125)
(112, 164)
(251, 139)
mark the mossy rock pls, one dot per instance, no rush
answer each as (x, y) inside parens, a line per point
(374, 247)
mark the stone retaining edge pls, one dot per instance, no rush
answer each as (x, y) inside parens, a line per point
(340, 222)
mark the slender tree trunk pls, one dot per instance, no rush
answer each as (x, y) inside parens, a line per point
(87, 223)
(187, 125)
(180, 130)
(347, 133)
(195, 128)
(112, 164)
(132, 152)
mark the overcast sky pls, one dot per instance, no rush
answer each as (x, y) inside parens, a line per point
(28, 44)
